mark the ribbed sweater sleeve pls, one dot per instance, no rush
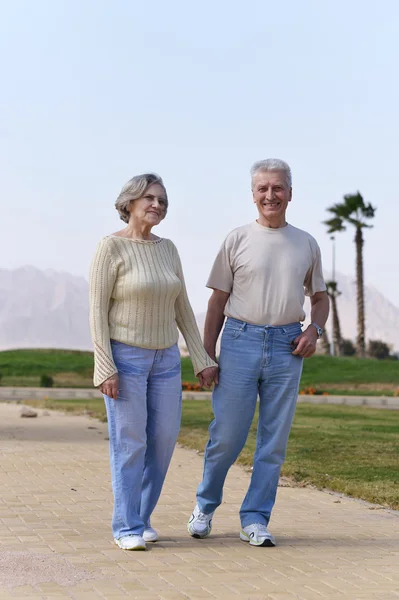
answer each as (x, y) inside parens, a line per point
(187, 324)
(103, 273)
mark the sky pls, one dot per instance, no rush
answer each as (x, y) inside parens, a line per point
(96, 91)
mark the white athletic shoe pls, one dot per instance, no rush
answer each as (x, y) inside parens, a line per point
(199, 524)
(131, 542)
(257, 535)
(150, 535)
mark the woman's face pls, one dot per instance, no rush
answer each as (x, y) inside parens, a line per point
(150, 209)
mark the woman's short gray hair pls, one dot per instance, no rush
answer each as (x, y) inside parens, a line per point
(272, 164)
(133, 190)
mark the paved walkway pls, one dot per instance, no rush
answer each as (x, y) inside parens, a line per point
(55, 505)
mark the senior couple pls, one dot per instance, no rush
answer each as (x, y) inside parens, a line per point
(138, 302)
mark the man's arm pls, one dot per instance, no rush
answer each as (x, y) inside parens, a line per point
(306, 342)
(320, 307)
(214, 320)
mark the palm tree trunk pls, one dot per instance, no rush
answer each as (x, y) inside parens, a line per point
(325, 343)
(361, 333)
(336, 326)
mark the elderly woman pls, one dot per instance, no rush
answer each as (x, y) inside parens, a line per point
(138, 299)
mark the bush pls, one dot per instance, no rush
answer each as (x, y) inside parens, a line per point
(0, 377)
(46, 381)
(348, 348)
(312, 391)
(191, 387)
(378, 349)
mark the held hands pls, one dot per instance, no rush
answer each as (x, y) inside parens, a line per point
(305, 344)
(110, 387)
(208, 376)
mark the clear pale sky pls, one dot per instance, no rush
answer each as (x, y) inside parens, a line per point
(94, 92)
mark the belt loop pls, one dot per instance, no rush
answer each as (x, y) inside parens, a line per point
(243, 327)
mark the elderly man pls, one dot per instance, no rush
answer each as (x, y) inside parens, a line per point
(259, 279)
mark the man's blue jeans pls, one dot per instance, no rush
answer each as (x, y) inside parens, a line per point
(253, 360)
(143, 425)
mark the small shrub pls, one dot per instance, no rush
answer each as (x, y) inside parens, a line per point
(311, 391)
(348, 348)
(46, 381)
(187, 386)
(378, 349)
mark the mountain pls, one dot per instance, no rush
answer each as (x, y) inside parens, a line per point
(43, 309)
(49, 309)
(382, 317)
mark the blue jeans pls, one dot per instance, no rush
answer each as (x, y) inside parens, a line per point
(254, 360)
(143, 425)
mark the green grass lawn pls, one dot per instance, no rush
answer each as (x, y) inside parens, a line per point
(69, 368)
(353, 450)
(325, 373)
(350, 373)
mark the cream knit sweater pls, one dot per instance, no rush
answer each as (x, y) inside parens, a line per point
(138, 297)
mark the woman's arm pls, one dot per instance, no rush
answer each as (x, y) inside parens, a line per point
(103, 274)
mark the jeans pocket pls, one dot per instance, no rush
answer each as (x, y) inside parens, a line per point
(231, 333)
(291, 334)
(129, 360)
(170, 362)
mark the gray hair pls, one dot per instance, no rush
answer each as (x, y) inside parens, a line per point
(272, 164)
(133, 190)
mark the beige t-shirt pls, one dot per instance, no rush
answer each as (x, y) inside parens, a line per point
(267, 273)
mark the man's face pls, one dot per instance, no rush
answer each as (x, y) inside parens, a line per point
(271, 195)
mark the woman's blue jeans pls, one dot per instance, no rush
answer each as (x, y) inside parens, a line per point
(254, 360)
(143, 425)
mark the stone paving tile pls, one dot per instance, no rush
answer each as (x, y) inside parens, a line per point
(56, 502)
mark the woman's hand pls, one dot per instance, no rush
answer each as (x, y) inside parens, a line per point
(110, 387)
(208, 376)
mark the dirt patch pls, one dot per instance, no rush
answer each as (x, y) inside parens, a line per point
(25, 568)
(74, 380)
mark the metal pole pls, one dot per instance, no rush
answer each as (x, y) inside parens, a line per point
(333, 257)
(333, 278)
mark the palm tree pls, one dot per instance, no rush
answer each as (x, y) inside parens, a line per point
(353, 210)
(325, 343)
(333, 292)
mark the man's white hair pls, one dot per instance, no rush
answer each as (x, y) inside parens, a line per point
(272, 164)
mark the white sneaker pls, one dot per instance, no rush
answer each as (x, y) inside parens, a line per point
(131, 542)
(150, 535)
(257, 535)
(199, 524)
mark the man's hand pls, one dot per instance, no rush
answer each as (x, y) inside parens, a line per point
(208, 376)
(305, 344)
(110, 387)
